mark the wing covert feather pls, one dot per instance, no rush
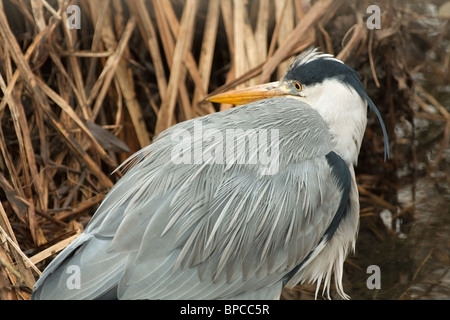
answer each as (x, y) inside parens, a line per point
(216, 230)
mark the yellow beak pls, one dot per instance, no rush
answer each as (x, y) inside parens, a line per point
(251, 94)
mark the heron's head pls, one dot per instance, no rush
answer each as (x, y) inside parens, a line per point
(330, 87)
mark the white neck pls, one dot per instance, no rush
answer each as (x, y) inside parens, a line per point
(344, 111)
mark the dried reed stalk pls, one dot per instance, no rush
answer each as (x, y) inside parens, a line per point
(166, 111)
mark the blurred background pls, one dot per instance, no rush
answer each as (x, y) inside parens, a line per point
(85, 83)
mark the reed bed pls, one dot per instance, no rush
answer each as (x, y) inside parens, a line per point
(76, 102)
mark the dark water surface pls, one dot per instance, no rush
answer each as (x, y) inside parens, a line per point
(413, 260)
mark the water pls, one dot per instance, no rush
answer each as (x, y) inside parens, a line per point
(413, 258)
(414, 261)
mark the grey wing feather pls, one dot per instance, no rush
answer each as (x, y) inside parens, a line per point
(208, 230)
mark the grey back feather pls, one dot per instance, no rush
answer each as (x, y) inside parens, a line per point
(208, 230)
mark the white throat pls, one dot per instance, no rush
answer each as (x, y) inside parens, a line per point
(344, 111)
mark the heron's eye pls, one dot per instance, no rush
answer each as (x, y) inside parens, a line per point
(297, 86)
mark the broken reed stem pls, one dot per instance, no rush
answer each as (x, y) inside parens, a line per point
(108, 72)
(44, 254)
(11, 268)
(149, 35)
(16, 247)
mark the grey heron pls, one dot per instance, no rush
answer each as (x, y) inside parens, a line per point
(206, 222)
